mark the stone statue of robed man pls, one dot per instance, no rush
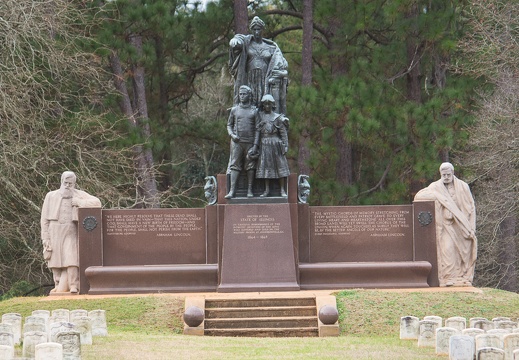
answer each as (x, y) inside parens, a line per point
(59, 232)
(455, 215)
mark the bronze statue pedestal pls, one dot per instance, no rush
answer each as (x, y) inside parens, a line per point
(258, 249)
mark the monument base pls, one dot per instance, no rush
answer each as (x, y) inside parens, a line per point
(150, 279)
(62, 293)
(258, 249)
(258, 287)
(367, 275)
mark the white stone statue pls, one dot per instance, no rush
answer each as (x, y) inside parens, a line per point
(455, 215)
(59, 233)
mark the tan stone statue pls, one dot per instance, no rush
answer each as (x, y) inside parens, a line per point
(455, 215)
(59, 233)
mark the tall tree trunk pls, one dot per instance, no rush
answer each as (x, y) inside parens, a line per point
(308, 28)
(344, 165)
(440, 66)
(413, 82)
(161, 78)
(241, 18)
(508, 255)
(143, 160)
(146, 174)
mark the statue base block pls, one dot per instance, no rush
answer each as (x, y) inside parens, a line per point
(258, 249)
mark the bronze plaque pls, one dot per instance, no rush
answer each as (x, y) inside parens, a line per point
(361, 233)
(154, 237)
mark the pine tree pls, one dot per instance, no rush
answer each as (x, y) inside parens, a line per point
(385, 110)
(157, 49)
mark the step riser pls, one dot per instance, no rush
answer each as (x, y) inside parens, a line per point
(253, 323)
(255, 313)
(209, 304)
(264, 333)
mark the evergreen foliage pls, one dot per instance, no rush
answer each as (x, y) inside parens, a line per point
(399, 127)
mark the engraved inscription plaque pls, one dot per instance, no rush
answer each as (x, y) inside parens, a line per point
(258, 249)
(154, 237)
(361, 233)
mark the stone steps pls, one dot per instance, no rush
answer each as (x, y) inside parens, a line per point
(261, 317)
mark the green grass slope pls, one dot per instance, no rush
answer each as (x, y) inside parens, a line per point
(150, 326)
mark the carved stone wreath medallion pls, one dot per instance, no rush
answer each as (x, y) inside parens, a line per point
(90, 223)
(425, 218)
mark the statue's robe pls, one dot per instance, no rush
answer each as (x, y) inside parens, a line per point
(455, 231)
(59, 226)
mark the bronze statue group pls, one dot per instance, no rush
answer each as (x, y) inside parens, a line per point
(257, 123)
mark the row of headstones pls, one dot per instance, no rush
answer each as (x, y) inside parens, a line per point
(60, 333)
(483, 339)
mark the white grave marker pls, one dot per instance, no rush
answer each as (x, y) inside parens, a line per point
(76, 313)
(443, 335)
(15, 320)
(489, 340)
(427, 333)
(511, 343)
(438, 319)
(484, 325)
(30, 340)
(84, 326)
(461, 347)
(71, 342)
(48, 351)
(490, 353)
(409, 327)
(510, 325)
(474, 319)
(98, 318)
(58, 327)
(6, 352)
(61, 314)
(456, 322)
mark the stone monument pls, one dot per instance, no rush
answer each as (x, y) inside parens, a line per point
(455, 227)
(59, 234)
(258, 249)
(258, 232)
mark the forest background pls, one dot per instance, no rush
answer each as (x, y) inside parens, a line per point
(133, 95)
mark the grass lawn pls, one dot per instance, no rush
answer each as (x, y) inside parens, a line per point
(150, 326)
